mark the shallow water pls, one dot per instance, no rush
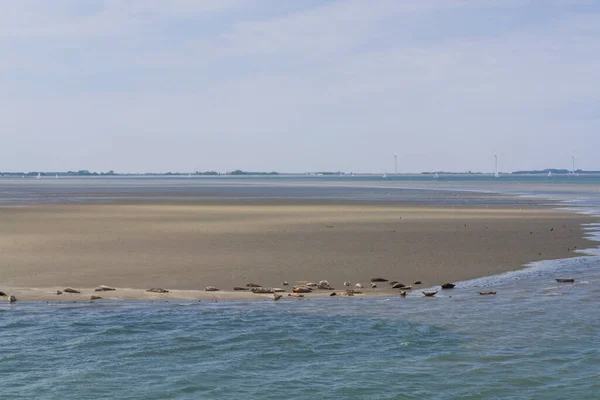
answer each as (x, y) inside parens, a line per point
(535, 339)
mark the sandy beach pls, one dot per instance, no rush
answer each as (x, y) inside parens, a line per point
(186, 246)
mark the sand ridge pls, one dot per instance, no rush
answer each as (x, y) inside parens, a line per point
(185, 247)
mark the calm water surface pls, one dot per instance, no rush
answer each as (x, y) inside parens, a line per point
(535, 339)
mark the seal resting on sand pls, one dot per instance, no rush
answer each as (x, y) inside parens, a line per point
(430, 294)
(261, 290)
(253, 285)
(448, 286)
(240, 288)
(157, 290)
(71, 290)
(92, 298)
(398, 285)
(302, 289)
(12, 299)
(103, 288)
(211, 289)
(378, 280)
(403, 293)
(417, 283)
(358, 285)
(295, 295)
(352, 292)
(2, 294)
(276, 296)
(346, 283)
(324, 285)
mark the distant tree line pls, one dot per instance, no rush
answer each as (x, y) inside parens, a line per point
(240, 172)
(554, 171)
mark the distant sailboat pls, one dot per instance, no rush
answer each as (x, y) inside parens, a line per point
(384, 175)
(436, 176)
(549, 174)
(56, 176)
(39, 176)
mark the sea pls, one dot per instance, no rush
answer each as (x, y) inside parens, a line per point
(534, 339)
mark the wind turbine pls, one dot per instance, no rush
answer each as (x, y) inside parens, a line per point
(497, 175)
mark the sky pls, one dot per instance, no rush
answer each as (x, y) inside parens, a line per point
(298, 86)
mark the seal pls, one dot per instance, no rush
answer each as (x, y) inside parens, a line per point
(157, 290)
(378, 280)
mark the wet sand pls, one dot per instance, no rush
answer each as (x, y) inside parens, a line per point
(186, 246)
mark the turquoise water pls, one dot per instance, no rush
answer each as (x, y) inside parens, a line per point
(536, 339)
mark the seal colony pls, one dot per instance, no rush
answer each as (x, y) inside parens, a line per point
(253, 290)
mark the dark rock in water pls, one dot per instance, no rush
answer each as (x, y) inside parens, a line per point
(378, 280)
(2, 294)
(397, 285)
(448, 286)
(565, 280)
(157, 290)
(253, 285)
(92, 297)
(430, 294)
(71, 290)
(333, 294)
(103, 288)
(487, 293)
(262, 290)
(211, 289)
(417, 283)
(12, 299)
(240, 288)
(58, 292)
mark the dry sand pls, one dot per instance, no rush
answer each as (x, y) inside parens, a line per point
(185, 247)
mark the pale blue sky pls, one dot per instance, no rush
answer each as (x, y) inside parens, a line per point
(302, 85)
